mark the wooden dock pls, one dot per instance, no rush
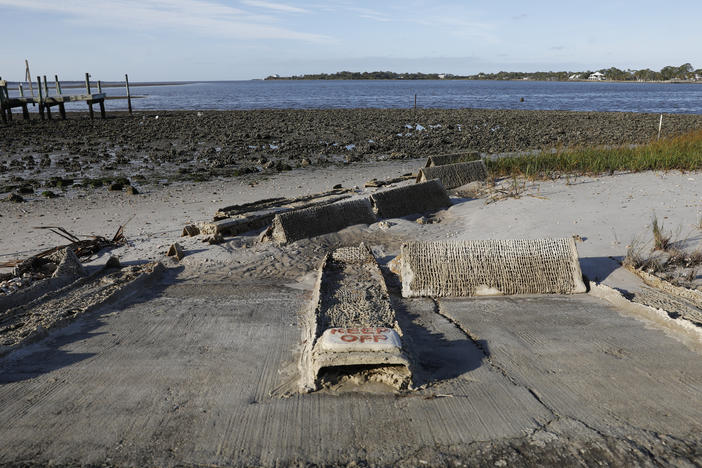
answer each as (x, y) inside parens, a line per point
(46, 101)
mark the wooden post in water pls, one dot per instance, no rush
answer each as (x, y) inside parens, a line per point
(41, 100)
(46, 97)
(3, 85)
(129, 96)
(415, 101)
(28, 77)
(25, 111)
(62, 108)
(87, 91)
(102, 101)
(660, 125)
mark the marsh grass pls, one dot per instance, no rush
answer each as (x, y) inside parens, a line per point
(683, 152)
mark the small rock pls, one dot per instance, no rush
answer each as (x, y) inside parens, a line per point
(385, 225)
(190, 230)
(423, 220)
(113, 262)
(131, 190)
(15, 198)
(214, 239)
(48, 194)
(337, 186)
(176, 251)
(305, 162)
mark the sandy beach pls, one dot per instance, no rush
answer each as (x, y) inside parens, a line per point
(195, 368)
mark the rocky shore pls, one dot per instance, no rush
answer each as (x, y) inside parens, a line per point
(156, 147)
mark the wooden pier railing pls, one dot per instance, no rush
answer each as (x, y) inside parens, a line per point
(46, 101)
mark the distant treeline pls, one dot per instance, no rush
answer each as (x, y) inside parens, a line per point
(685, 72)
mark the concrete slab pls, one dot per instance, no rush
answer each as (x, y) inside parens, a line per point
(188, 373)
(587, 361)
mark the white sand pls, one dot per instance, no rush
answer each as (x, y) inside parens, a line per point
(607, 212)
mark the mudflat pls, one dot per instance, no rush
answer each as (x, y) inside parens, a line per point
(162, 146)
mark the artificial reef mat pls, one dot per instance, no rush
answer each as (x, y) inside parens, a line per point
(455, 175)
(350, 330)
(490, 267)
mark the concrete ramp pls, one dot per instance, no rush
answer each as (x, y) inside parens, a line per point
(453, 158)
(351, 333)
(317, 220)
(416, 198)
(454, 175)
(490, 267)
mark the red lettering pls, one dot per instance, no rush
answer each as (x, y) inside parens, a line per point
(381, 330)
(367, 331)
(336, 330)
(353, 331)
(348, 338)
(377, 338)
(365, 338)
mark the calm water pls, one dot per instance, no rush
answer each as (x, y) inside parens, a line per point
(590, 96)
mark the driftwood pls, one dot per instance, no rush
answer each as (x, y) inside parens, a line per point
(380, 183)
(83, 248)
(268, 203)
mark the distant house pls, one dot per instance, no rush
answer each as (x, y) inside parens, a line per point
(442, 76)
(574, 76)
(597, 76)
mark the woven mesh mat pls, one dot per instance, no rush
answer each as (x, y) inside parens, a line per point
(416, 198)
(317, 220)
(453, 158)
(454, 175)
(490, 267)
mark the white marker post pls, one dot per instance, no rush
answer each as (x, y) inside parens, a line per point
(660, 125)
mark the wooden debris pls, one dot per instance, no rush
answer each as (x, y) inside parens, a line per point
(233, 210)
(81, 247)
(380, 183)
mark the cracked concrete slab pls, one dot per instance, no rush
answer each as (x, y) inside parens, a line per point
(186, 374)
(586, 361)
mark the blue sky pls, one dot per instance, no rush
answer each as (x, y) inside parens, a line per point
(156, 40)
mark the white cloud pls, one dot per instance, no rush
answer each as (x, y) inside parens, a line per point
(274, 6)
(196, 16)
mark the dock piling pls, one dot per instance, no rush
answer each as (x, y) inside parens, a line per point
(62, 107)
(129, 96)
(87, 91)
(46, 98)
(3, 87)
(41, 98)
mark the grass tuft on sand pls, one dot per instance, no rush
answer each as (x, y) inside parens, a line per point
(683, 152)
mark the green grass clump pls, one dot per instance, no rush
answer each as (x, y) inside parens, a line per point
(682, 153)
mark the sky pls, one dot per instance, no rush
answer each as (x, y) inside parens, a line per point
(185, 40)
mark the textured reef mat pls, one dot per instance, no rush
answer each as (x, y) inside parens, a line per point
(490, 267)
(453, 158)
(351, 333)
(314, 221)
(454, 175)
(410, 199)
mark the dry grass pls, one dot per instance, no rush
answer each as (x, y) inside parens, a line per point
(665, 259)
(661, 240)
(683, 152)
